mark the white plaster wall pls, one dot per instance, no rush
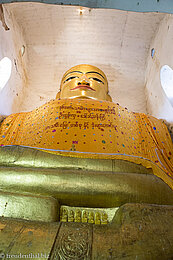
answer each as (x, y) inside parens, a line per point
(10, 43)
(58, 37)
(158, 104)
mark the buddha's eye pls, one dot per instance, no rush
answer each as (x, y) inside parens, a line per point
(98, 80)
(73, 77)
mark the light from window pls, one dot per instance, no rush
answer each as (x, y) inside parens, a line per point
(166, 77)
(5, 71)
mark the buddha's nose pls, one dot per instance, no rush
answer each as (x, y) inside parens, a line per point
(84, 80)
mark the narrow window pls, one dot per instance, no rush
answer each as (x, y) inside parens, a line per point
(5, 71)
(166, 78)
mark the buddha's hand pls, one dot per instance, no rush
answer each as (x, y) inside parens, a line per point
(169, 126)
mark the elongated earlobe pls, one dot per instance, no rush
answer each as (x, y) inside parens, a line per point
(58, 95)
(108, 98)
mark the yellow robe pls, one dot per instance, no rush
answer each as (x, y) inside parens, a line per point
(93, 129)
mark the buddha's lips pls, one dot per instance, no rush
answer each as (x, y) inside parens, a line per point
(82, 87)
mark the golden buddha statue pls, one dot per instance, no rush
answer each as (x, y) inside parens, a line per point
(77, 158)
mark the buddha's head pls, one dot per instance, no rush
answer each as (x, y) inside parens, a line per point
(84, 81)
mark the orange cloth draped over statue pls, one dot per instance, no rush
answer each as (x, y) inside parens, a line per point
(93, 129)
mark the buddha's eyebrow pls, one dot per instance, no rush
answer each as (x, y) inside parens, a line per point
(72, 72)
(95, 73)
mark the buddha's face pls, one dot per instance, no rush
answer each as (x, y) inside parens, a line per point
(84, 81)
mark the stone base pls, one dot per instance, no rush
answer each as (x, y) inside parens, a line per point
(138, 231)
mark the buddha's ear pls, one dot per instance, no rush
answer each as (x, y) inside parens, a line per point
(108, 98)
(58, 95)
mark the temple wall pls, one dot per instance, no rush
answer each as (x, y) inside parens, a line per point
(158, 104)
(11, 42)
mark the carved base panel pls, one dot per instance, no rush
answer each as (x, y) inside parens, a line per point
(74, 242)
